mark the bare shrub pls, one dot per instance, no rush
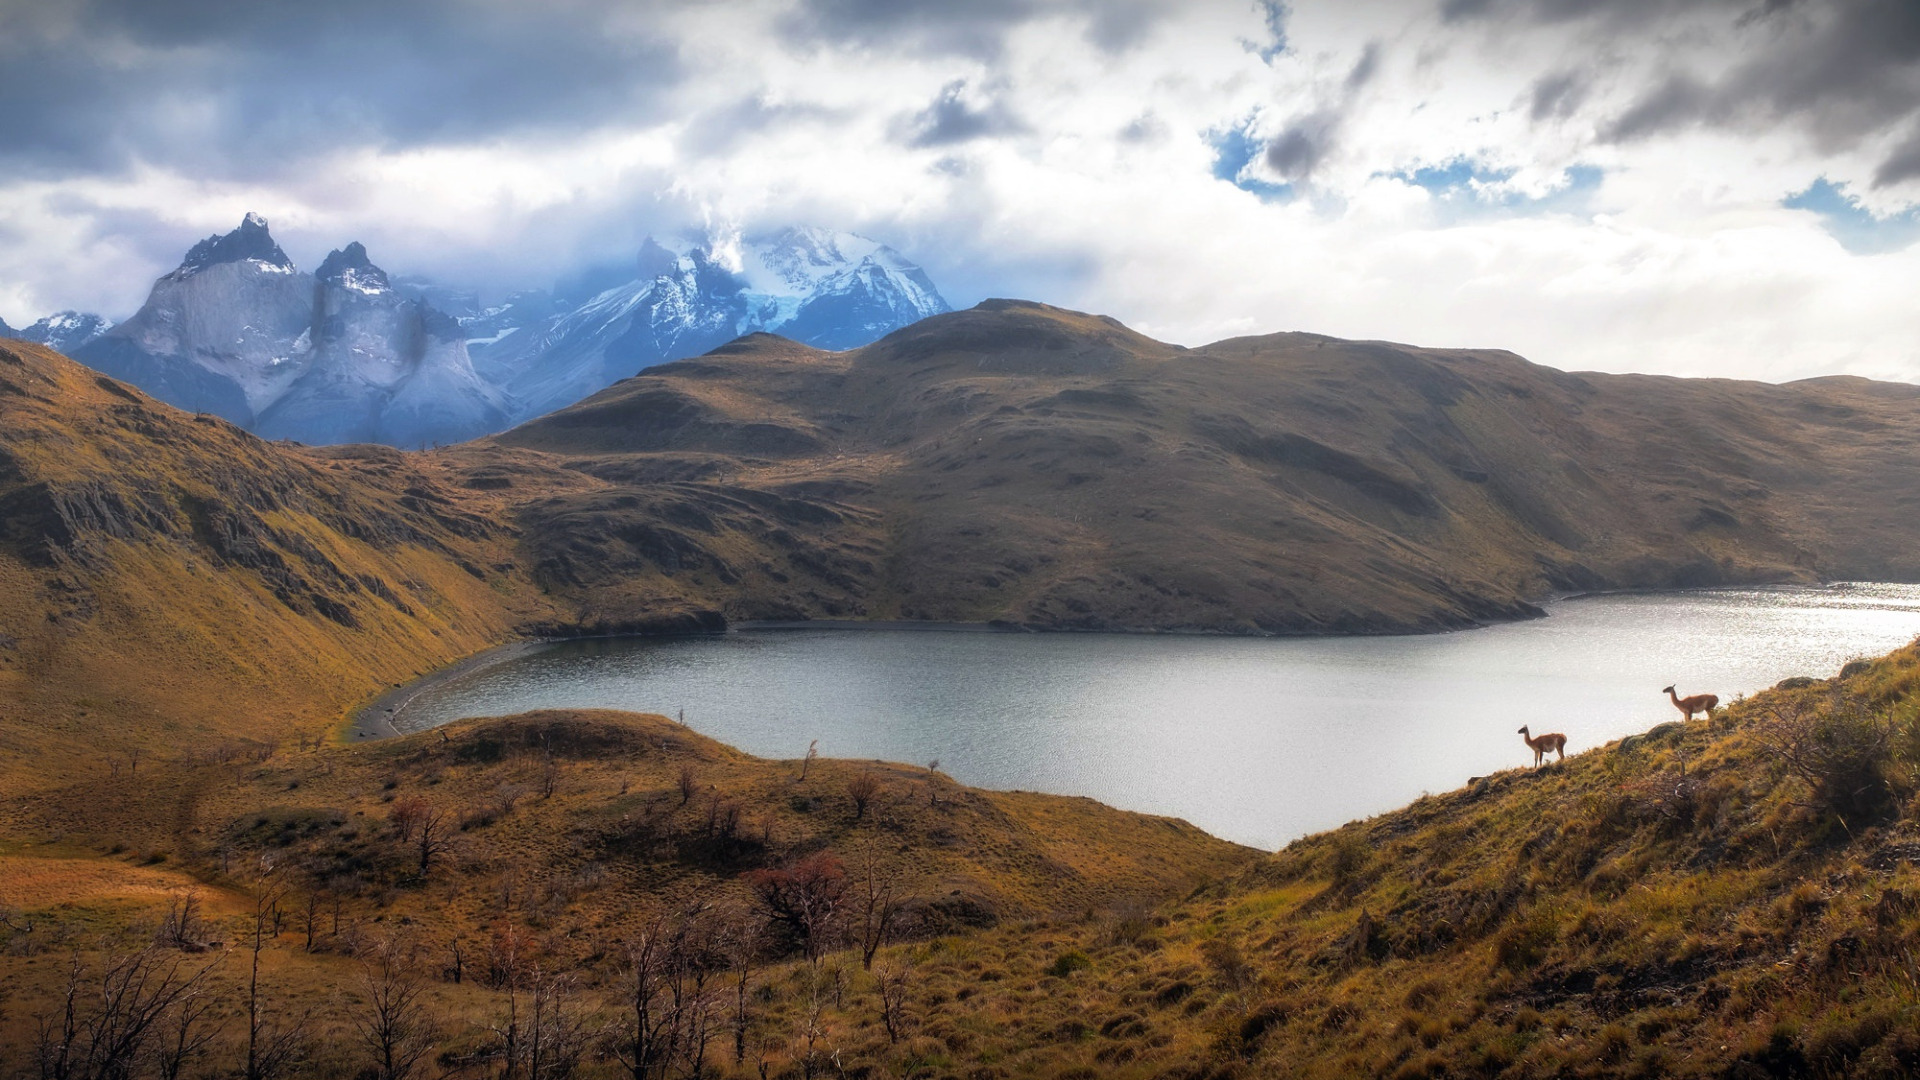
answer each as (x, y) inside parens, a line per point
(863, 788)
(406, 814)
(1840, 749)
(802, 901)
(508, 796)
(182, 928)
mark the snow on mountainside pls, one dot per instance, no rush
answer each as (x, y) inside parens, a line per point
(238, 330)
(828, 289)
(349, 353)
(63, 331)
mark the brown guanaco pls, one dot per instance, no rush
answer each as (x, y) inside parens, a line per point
(1542, 744)
(1698, 703)
(1553, 741)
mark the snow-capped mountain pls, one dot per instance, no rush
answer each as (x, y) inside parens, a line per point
(337, 356)
(827, 289)
(62, 332)
(349, 353)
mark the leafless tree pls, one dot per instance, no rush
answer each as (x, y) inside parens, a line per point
(813, 755)
(689, 783)
(667, 1003)
(434, 828)
(1840, 749)
(891, 981)
(742, 937)
(457, 970)
(312, 903)
(556, 1036)
(507, 796)
(878, 897)
(274, 1046)
(189, 1028)
(106, 1026)
(395, 1027)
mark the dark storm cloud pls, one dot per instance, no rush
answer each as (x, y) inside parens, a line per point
(1678, 100)
(976, 28)
(1299, 149)
(953, 119)
(1843, 71)
(973, 28)
(1624, 13)
(1902, 164)
(1307, 139)
(248, 88)
(1556, 96)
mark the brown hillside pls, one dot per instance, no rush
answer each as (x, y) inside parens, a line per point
(1022, 463)
(168, 576)
(170, 580)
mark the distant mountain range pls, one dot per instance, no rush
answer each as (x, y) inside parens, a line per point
(829, 290)
(350, 354)
(62, 331)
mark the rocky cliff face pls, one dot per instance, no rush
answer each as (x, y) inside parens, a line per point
(237, 330)
(380, 368)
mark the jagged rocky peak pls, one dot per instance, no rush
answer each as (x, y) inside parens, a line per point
(251, 242)
(656, 261)
(63, 331)
(350, 268)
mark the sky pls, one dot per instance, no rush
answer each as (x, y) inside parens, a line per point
(1691, 187)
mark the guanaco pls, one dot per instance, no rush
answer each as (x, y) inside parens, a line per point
(1553, 741)
(1698, 703)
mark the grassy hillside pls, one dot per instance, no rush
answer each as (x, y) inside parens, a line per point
(1022, 463)
(566, 832)
(169, 581)
(1733, 898)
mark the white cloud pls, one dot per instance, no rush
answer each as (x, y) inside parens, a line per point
(1080, 172)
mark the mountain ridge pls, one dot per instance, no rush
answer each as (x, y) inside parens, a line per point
(1024, 464)
(238, 330)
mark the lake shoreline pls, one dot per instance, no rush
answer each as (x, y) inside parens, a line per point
(378, 718)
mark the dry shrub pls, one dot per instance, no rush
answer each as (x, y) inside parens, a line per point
(1839, 749)
(863, 788)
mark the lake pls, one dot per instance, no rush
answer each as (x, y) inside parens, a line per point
(1258, 740)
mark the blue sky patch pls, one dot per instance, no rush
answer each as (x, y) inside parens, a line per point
(1276, 43)
(1453, 188)
(1857, 229)
(1234, 150)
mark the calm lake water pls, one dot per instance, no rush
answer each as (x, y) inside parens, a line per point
(1256, 740)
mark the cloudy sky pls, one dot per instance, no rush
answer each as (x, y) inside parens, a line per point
(1723, 187)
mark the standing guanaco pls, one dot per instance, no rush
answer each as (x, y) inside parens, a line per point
(1553, 741)
(1698, 703)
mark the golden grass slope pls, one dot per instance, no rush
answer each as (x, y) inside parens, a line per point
(1677, 904)
(170, 581)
